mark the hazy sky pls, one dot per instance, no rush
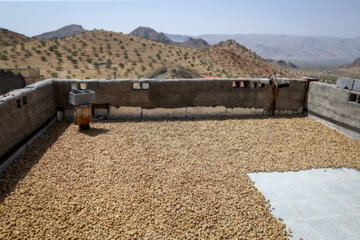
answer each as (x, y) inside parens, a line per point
(295, 17)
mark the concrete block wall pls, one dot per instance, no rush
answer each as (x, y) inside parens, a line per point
(185, 93)
(348, 83)
(334, 104)
(23, 111)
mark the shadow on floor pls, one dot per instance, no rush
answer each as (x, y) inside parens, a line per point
(93, 132)
(20, 168)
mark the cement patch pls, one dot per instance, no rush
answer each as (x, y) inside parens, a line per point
(234, 112)
(314, 204)
(100, 112)
(124, 112)
(164, 113)
(205, 111)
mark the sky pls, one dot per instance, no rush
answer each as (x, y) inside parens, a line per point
(338, 18)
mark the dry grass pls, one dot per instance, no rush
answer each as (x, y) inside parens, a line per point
(161, 179)
(130, 57)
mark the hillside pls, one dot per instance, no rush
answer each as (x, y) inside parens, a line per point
(9, 38)
(353, 67)
(355, 63)
(99, 53)
(298, 49)
(66, 31)
(151, 34)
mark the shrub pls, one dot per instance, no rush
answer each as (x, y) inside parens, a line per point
(54, 74)
(57, 53)
(4, 57)
(43, 58)
(108, 63)
(121, 65)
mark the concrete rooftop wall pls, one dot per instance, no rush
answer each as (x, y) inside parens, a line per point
(22, 112)
(181, 93)
(337, 105)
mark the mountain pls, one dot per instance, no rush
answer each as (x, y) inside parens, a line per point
(298, 49)
(9, 38)
(193, 43)
(98, 54)
(66, 31)
(151, 34)
(284, 64)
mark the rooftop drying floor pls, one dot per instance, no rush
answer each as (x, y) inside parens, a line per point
(161, 179)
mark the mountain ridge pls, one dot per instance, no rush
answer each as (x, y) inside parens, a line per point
(290, 47)
(65, 31)
(151, 34)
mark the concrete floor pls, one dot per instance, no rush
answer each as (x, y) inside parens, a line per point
(314, 204)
